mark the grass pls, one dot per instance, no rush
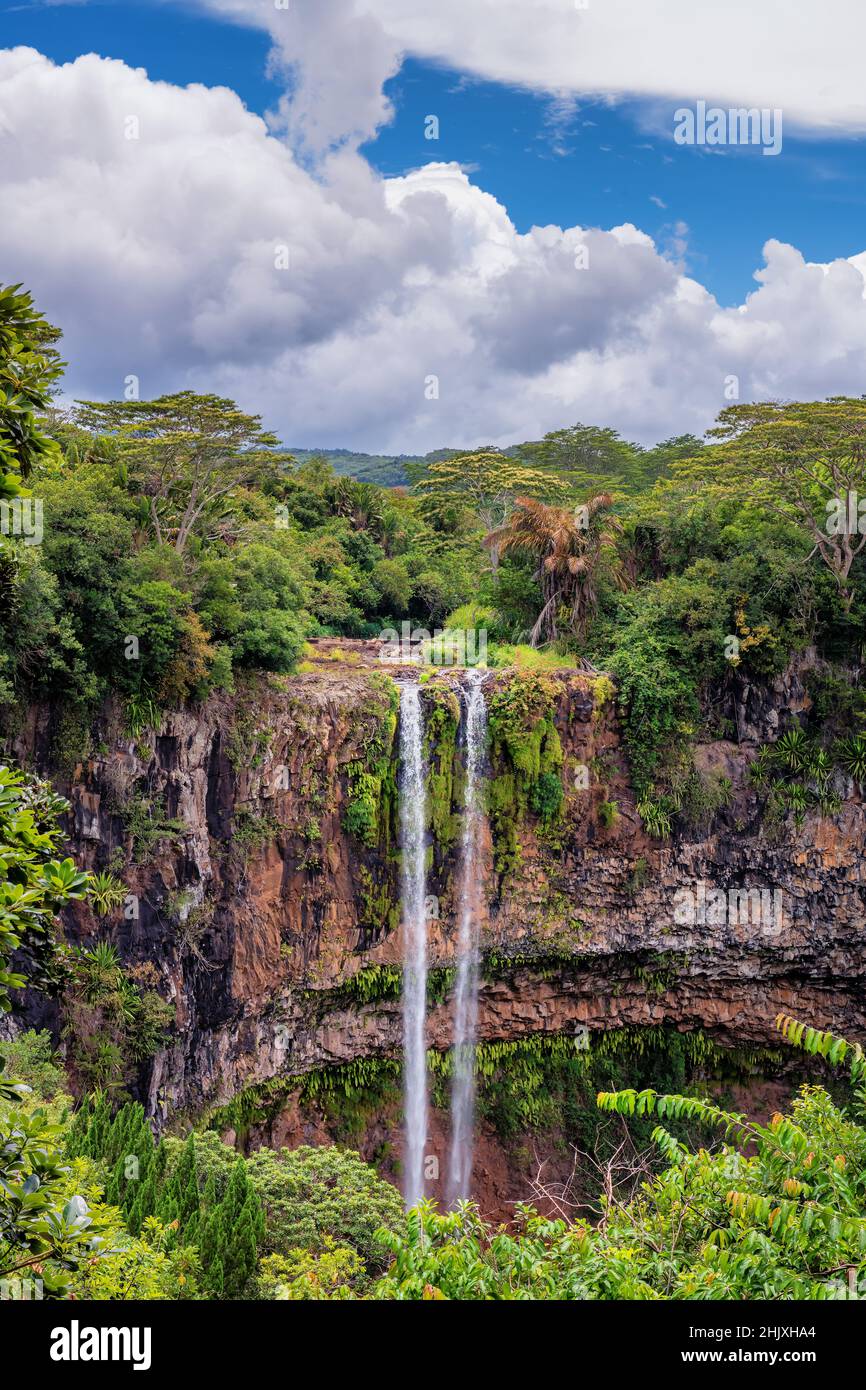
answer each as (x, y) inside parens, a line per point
(526, 658)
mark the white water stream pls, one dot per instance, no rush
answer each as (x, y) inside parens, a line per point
(466, 989)
(414, 851)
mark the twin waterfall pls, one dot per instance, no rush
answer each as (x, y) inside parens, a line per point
(413, 817)
(413, 814)
(466, 992)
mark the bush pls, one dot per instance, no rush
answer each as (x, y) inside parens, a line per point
(30, 1059)
(311, 1194)
(546, 795)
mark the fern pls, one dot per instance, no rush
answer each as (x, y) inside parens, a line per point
(649, 1102)
(823, 1044)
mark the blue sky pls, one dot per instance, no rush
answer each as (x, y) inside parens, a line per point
(595, 164)
(453, 259)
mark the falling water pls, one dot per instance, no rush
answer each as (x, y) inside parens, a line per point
(466, 990)
(412, 821)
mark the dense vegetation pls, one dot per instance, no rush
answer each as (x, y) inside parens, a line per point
(94, 1208)
(153, 552)
(180, 544)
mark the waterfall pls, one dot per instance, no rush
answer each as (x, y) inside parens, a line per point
(466, 989)
(412, 822)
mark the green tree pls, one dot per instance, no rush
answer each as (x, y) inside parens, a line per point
(271, 597)
(29, 367)
(175, 656)
(803, 459)
(44, 1231)
(394, 584)
(486, 484)
(335, 1272)
(188, 454)
(312, 1194)
(571, 547)
(590, 458)
(34, 885)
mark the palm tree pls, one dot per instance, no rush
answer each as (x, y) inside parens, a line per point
(570, 544)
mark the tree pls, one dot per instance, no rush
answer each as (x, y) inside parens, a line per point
(271, 597)
(311, 1195)
(591, 458)
(29, 366)
(394, 584)
(34, 885)
(802, 459)
(137, 1267)
(571, 546)
(594, 459)
(305, 1275)
(45, 1232)
(228, 1236)
(175, 656)
(485, 483)
(189, 454)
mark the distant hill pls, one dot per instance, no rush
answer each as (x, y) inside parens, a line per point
(388, 470)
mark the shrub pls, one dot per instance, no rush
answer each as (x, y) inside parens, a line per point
(312, 1194)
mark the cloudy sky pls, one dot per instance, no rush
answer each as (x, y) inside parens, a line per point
(241, 196)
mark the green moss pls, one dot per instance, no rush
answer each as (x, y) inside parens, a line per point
(546, 796)
(526, 755)
(372, 777)
(378, 903)
(442, 721)
(502, 801)
(603, 692)
(362, 815)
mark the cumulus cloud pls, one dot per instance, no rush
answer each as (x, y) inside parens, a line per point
(798, 58)
(160, 256)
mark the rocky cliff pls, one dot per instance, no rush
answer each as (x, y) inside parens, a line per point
(256, 836)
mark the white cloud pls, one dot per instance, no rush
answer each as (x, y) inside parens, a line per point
(156, 257)
(803, 59)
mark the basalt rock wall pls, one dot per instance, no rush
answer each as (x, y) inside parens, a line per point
(256, 837)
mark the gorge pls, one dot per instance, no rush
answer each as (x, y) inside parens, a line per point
(265, 883)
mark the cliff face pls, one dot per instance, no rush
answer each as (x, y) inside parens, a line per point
(257, 838)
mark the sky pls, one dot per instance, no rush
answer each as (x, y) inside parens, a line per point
(243, 196)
